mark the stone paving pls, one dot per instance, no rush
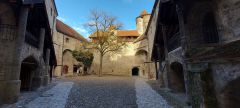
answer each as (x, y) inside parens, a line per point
(147, 97)
(103, 92)
(53, 98)
(97, 92)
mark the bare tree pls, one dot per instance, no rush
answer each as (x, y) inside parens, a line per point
(103, 28)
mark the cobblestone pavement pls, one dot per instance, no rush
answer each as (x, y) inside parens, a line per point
(53, 98)
(147, 97)
(94, 92)
(103, 92)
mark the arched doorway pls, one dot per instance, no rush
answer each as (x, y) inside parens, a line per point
(135, 71)
(65, 69)
(230, 96)
(28, 69)
(176, 77)
(140, 59)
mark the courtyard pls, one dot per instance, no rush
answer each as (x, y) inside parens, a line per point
(93, 92)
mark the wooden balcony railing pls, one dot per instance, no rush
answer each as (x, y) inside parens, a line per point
(31, 39)
(174, 42)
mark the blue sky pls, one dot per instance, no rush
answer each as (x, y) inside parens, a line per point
(76, 12)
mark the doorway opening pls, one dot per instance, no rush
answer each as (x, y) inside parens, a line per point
(65, 69)
(28, 69)
(135, 71)
(176, 77)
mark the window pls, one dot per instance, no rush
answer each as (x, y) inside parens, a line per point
(67, 40)
(51, 11)
(209, 29)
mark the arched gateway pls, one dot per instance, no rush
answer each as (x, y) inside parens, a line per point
(135, 71)
(28, 70)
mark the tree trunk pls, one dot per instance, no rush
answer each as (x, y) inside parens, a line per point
(100, 68)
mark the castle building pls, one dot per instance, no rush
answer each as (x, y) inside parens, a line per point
(66, 40)
(27, 54)
(129, 61)
(196, 44)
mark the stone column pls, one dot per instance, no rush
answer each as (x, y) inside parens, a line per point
(38, 78)
(195, 86)
(160, 70)
(165, 74)
(46, 73)
(10, 87)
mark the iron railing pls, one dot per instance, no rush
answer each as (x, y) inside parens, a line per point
(8, 32)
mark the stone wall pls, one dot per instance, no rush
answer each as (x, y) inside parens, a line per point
(228, 18)
(8, 30)
(224, 73)
(152, 29)
(51, 13)
(224, 76)
(63, 43)
(120, 63)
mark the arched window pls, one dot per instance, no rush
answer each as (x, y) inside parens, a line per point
(209, 29)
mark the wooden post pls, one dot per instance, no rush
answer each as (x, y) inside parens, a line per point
(184, 46)
(41, 42)
(160, 70)
(156, 67)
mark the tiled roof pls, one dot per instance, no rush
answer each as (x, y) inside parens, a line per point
(144, 12)
(140, 38)
(95, 34)
(67, 30)
(120, 33)
(128, 33)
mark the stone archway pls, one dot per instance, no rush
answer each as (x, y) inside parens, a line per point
(176, 77)
(135, 71)
(28, 70)
(230, 96)
(140, 59)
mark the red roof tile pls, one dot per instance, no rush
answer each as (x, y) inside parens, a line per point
(128, 33)
(67, 30)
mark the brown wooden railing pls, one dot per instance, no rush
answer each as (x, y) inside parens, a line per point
(174, 42)
(31, 39)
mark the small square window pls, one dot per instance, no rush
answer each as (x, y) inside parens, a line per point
(67, 40)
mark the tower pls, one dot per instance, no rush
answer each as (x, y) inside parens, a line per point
(142, 21)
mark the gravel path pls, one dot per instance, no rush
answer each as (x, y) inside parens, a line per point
(102, 92)
(147, 97)
(53, 98)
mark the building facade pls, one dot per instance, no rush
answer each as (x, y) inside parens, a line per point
(132, 60)
(26, 49)
(196, 44)
(66, 40)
